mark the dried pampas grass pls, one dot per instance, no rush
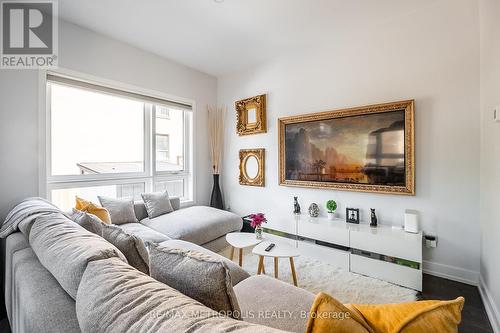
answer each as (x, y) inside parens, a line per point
(216, 135)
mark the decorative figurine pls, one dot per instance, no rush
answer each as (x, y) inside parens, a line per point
(313, 210)
(296, 206)
(352, 215)
(373, 222)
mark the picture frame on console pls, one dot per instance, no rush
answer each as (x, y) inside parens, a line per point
(352, 215)
(367, 149)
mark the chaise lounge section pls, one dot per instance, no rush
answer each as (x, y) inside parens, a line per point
(200, 225)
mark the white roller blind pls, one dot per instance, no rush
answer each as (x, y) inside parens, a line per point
(117, 92)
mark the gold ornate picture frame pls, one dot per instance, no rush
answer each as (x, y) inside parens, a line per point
(251, 115)
(246, 155)
(367, 149)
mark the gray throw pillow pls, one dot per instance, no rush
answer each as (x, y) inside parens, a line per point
(196, 275)
(120, 210)
(88, 221)
(157, 203)
(131, 246)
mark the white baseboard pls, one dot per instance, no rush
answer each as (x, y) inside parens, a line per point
(489, 305)
(451, 273)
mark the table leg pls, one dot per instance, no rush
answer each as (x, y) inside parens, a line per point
(232, 253)
(260, 267)
(240, 261)
(276, 267)
(294, 274)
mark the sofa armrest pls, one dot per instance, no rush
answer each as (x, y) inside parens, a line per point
(260, 294)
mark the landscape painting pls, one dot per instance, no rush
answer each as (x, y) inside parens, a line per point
(363, 149)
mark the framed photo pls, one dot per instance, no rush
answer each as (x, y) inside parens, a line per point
(352, 215)
(368, 149)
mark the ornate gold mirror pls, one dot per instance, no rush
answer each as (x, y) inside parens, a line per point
(251, 115)
(252, 167)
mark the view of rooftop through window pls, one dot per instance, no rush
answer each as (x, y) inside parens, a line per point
(100, 134)
(95, 133)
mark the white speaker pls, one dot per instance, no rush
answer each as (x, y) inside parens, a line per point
(411, 221)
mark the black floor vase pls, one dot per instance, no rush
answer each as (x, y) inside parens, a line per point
(216, 199)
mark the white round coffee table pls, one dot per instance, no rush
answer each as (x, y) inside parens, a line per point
(278, 251)
(241, 240)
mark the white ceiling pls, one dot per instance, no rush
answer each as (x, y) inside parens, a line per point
(221, 38)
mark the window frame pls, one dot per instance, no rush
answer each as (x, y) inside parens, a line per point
(49, 182)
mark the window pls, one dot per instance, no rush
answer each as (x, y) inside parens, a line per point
(95, 133)
(162, 112)
(170, 139)
(100, 139)
(162, 147)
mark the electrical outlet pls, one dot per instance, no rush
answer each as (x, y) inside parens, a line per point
(496, 114)
(430, 241)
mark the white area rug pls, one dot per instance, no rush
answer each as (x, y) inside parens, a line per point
(316, 276)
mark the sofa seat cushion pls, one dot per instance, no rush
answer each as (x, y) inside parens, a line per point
(141, 231)
(237, 273)
(64, 248)
(262, 293)
(39, 302)
(197, 224)
(115, 298)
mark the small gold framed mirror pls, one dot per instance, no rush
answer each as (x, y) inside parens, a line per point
(252, 167)
(251, 115)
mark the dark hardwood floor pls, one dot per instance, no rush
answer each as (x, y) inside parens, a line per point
(474, 317)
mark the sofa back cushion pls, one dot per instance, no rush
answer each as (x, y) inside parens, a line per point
(237, 273)
(89, 222)
(195, 274)
(114, 297)
(131, 246)
(64, 248)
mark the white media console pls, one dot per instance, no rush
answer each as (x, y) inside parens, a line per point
(382, 252)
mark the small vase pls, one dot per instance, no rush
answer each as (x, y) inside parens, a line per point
(331, 216)
(258, 232)
(216, 198)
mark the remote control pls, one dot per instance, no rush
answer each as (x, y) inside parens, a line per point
(270, 247)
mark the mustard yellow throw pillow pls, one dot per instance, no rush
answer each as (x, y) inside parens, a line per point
(414, 317)
(91, 208)
(329, 315)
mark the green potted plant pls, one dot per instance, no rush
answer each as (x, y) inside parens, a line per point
(331, 206)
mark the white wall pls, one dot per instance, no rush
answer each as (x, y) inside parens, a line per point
(431, 56)
(87, 52)
(490, 157)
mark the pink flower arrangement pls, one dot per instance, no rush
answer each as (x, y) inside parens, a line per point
(257, 220)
